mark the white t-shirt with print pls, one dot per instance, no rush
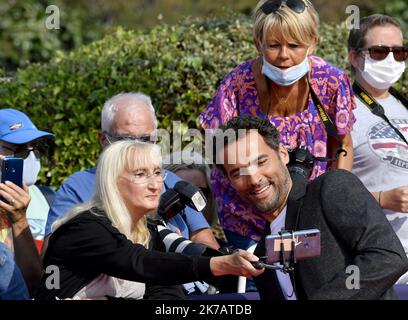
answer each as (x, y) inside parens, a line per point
(381, 156)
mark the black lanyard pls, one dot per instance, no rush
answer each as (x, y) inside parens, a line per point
(378, 109)
(324, 117)
(327, 122)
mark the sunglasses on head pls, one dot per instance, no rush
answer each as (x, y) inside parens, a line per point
(381, 52)
(272, 6)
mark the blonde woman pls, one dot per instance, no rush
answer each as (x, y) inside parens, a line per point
(107, 239)
(285, 84)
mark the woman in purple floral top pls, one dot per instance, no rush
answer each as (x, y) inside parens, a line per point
(275, 86)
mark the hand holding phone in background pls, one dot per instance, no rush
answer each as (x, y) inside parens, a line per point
(14, 195)
(306, 245)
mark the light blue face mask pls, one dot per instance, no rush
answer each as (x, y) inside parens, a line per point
(285, 77)
(31, 169)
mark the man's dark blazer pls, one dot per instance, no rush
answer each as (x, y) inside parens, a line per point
(354, 231)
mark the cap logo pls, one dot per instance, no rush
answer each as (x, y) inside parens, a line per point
(16, 126)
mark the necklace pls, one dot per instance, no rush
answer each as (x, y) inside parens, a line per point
(281, 100)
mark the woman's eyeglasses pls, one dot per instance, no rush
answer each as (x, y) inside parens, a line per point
(381, 52)
(272, 6)
(143, 176)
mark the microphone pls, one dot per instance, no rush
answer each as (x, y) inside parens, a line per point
(183, 194)
(190, 195)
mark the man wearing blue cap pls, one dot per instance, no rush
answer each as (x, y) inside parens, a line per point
(24, 211)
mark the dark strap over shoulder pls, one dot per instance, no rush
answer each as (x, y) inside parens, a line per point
(399, 96)
(330, 127)
(376, 108)
(48, 193)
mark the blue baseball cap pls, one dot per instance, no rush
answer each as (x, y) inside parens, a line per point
(17, 128)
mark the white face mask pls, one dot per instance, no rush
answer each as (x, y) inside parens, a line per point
(384, 73)
(288, 76)
(31, 169)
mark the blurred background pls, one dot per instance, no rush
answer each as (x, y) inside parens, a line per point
(23, 40)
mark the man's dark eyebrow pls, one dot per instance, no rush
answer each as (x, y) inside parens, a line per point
(261, 157)
(255, 161)
(234, 171)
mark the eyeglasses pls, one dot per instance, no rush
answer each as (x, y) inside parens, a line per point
(142, 176)
(23, 151)
(148, 138)
(272, 6)
(381, 52)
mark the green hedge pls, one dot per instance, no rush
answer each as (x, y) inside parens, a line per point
(179, 66)
(24, 37)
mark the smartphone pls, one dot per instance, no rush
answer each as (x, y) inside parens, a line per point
(307, 245)
(12, 170)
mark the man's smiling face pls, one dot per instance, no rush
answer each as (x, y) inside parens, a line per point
(258, 172)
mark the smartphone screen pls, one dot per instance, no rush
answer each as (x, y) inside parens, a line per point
(306, 243)
(12, 170)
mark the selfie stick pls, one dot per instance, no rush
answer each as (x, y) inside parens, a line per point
(286, 266)
(289, 265)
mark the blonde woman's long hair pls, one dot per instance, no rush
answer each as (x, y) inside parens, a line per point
(115, 159)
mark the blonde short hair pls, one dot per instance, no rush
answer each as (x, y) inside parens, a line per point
(121, 156)
(286, 24)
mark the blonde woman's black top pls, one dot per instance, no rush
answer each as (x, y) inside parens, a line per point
(88, 245)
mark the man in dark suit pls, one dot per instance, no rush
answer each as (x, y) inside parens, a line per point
(355, 235)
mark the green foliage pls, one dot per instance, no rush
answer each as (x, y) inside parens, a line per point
(179, 66)
(398, 9)
(24, 37)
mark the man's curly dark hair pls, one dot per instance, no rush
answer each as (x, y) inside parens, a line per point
(267, 130)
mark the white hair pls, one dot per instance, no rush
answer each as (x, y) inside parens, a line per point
(111, 106)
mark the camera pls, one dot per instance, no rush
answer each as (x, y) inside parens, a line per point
(175, 199)
(300, 161)
(175, 243)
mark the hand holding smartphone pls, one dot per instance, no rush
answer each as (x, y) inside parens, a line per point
(12, 195)
(11, 170)
(306, 244)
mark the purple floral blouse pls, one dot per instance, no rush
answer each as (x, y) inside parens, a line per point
(301, 129)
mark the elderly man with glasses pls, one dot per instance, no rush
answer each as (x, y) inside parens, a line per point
(128, 116)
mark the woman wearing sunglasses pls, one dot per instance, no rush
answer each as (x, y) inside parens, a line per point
(380, 134)
(107, 248)
(285, 84)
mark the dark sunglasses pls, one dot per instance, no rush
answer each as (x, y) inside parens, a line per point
(271, 6)
(381, 52)
(23, 151)
(148, 138)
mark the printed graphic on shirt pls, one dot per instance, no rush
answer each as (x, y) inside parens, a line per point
(387, 145)
(37, 227)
